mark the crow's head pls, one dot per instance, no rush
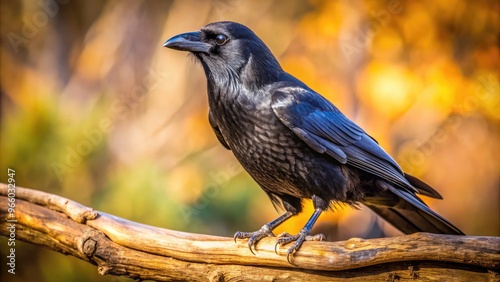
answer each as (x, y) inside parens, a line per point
(229, 50)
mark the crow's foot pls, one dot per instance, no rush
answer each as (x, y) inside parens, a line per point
(304, 235)
(255, 237)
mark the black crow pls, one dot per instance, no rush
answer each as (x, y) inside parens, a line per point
(296, 144)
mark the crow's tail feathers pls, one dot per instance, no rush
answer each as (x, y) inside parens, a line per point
(415, 221)
(422, 187)
(408, 213)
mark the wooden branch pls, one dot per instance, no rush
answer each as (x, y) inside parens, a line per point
(121, 247)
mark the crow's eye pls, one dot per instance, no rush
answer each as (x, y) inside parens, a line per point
(220, 39)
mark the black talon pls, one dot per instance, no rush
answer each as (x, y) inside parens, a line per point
(288, 253)
(282, 239)
(250, 247)
(251, 242)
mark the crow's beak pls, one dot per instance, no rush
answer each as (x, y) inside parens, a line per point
(190, 41)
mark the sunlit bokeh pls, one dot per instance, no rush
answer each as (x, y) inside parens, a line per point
(93, 108)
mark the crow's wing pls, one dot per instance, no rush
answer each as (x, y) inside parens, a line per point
(324, 128)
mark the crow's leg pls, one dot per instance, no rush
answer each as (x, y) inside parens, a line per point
(266, 230)
(292, 206)
(304, 234)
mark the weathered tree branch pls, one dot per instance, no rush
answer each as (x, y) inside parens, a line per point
(121, 247)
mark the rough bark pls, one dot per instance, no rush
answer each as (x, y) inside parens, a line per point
(122, 247)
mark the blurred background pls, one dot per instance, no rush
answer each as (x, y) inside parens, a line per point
(95, 110)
